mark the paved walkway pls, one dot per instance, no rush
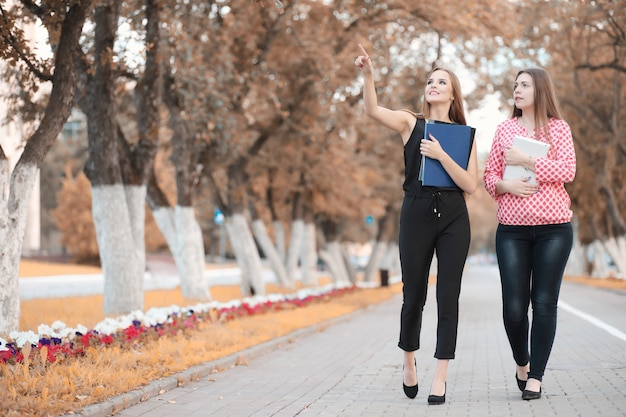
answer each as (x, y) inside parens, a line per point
(352, 367)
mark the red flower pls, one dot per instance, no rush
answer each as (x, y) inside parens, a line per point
(84, 339)
(132, 332)
(5, 355)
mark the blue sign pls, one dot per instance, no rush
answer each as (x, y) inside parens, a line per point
(369, 220)
(219, 217)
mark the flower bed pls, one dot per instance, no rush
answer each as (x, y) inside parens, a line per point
(58, 342)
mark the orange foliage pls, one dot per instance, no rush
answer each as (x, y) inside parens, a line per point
(73, 216)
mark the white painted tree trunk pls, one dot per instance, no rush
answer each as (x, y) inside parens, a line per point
(331, 264)
(164, 218)
(391, 258)
(246, 254)
(15, 192)
(236, 244)
(136, 205)
(116, 209)
(334, 260)
(295, 246)
(182, 232)
(576, 262)
(308, 257)
(373, 264)
(272, 254)
(345, 258)
(190, 261)
(616, 248)
(279, 237)
(600, 268)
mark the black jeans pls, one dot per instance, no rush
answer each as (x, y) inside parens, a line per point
(434, 223)
(532, 261)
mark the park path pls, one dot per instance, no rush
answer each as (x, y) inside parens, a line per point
(352, 366)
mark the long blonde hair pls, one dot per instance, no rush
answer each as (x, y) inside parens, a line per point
(546, 102)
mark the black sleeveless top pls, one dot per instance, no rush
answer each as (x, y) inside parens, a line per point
(412, 162)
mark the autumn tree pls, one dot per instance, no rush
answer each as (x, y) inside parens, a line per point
(64, 22)
(584, 47)
(117, 168)
(406, 40)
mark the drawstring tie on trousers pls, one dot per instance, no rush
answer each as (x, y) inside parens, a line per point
(436, 198)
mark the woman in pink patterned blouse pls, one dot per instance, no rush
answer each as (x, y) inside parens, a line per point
(534, 236)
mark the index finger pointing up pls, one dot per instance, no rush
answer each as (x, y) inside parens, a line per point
(364, 51)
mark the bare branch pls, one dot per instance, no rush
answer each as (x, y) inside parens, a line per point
(34, 8)
(610, 65)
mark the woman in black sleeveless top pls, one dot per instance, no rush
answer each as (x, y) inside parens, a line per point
(433, 220)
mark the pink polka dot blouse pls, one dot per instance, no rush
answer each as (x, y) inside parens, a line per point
(551, 204)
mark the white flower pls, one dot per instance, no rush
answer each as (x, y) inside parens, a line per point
(45, 330)
(21, 338)
(111, 326)
(155, 316)
(58, 326)
(67, 333)
(82, 329)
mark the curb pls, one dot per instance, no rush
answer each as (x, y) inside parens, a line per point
(123, 401)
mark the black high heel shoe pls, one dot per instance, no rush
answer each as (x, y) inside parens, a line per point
(520, 384)
(531, 395)
(410, 391)
(438, 399)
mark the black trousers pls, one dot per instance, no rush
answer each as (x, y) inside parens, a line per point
(532, 261)
(434, 223)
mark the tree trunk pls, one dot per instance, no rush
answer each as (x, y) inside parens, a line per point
(190, 260)
(334, 260)
(393, 257)
(295, 247)
(373, 264)
(246, 254)
(119, 220)
(13, 206)
(350, 270)
(308, 261)
(600, 267)
(12, 224)
(332, 254)
(279, 237)
(389, 263)
(121, 251)
(184, 238)
(386, 228)
(616, 248)
(576, 264)
(276, 263)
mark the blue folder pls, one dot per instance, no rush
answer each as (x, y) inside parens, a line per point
(457, 141)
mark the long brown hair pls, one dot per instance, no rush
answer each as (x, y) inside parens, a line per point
(546, 102)
(456, 111)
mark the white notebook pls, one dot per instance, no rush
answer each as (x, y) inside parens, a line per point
(533, 148)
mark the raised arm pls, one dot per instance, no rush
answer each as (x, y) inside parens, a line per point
(397, 120)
